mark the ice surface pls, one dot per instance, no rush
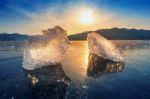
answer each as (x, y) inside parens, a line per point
(102, 47)
(46, 49)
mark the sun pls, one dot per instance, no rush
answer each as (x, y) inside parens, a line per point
(86, 17)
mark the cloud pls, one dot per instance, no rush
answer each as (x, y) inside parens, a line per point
(64, 16)
(46, 15)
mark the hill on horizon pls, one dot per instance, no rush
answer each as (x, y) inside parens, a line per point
(116, 34)
(13, 37)
(111, 34)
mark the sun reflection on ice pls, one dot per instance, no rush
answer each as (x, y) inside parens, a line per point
(85, 56)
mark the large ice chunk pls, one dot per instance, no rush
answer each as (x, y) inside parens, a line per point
(46, 49)
(102, 47)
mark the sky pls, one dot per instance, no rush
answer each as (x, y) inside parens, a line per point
(33, 16)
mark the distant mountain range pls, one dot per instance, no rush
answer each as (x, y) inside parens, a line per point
(13, 37)
(116, 34)
(112, 34)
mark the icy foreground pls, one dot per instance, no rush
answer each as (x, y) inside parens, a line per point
(46, 49)
(102, 47)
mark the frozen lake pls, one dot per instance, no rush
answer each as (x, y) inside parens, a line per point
(72, 80)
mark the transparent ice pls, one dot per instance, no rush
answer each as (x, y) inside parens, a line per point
(46, 49)
(102, 47)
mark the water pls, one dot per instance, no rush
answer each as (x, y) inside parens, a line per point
(71, 80)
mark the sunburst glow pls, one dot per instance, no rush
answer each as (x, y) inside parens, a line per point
(86, 17)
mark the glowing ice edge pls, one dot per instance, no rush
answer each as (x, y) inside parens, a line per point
(102, 47)
(49, 54)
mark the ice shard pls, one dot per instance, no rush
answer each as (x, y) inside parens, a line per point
(47, 49)
(102, 47)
